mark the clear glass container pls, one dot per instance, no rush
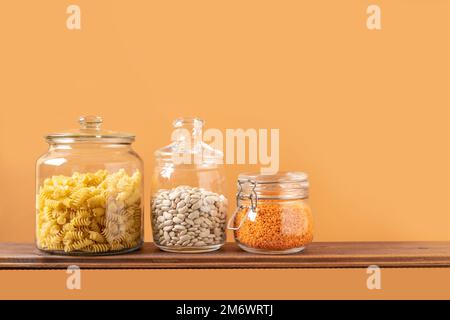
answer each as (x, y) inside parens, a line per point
(89, 192)
(189, 207)
(272, 215)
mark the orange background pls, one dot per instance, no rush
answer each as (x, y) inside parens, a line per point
(365, 113)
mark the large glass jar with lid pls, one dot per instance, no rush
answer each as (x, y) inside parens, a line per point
(89, 192)
(189, 207)
(272, 215)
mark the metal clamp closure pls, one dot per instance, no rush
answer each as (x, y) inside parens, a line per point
(253, 197)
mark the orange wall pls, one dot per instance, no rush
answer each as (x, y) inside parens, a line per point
(365, 113)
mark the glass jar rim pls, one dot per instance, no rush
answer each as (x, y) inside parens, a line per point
(279, 177)
(278, 186)
(194, 121)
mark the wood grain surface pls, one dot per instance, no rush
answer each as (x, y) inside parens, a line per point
(317, 255)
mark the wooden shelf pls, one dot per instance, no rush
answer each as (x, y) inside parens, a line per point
(317, 255)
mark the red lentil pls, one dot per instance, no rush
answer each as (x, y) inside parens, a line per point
(278, 225)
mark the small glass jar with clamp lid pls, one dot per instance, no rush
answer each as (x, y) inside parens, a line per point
(272, 215)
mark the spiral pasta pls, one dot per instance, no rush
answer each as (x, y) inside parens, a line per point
(90, 212)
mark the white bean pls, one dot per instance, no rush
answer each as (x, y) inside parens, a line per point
(188, 216)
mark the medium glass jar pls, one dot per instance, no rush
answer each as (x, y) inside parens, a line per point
(272, 215)
(189, 208)
(89, 192)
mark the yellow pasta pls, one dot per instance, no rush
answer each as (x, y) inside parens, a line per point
(98, 212)
(71, 236)
(99, 247)
(90, 212)
(80, 222)
(80, 196)
(97, 201)
(97, 237)
(56, 246)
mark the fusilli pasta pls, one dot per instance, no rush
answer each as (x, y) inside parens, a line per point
(90, 212)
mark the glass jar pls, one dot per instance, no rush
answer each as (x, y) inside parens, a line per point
(89, 192)
(272, 215)
(189, 208)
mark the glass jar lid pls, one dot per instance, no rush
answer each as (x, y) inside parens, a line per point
(90, 131)
(282, 185)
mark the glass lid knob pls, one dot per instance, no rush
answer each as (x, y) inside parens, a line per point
(90, 122)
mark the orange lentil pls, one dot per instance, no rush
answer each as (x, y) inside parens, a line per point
(278, 225)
